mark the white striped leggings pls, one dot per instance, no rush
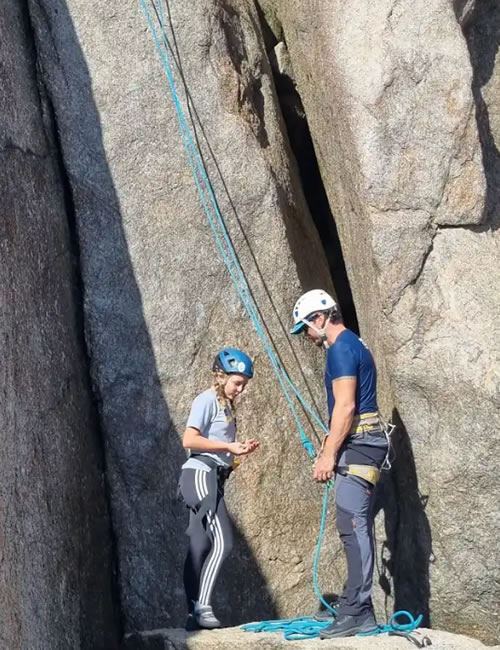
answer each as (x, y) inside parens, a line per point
(210, 537)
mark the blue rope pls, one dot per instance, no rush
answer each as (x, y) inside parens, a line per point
(293, 629)
(394, 626)
(317, 552)
(305, 627)
(222, 238)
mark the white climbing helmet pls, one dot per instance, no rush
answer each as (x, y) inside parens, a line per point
(309, 304)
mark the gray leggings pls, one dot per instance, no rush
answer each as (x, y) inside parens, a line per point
(210, 536)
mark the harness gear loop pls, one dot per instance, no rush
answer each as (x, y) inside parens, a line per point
(388, 429)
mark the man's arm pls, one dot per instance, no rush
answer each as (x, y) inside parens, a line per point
(344, 392)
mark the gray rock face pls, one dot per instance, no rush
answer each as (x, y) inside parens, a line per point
(55, 568)
(401, 140)
(387, 93)
(158, 301)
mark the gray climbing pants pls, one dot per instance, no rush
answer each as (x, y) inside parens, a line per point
(355, 500)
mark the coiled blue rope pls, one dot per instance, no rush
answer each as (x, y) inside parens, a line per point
(305, 627)
(293, 629)
(394, 626)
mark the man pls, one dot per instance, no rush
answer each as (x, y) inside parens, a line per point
(354, 449)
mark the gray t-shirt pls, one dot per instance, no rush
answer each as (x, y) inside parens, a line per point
(214, 423)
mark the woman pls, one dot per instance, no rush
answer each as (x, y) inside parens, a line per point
(210, 437)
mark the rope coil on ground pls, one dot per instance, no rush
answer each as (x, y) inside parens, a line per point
(306, 627)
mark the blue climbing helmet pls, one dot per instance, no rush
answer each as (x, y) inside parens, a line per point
(233, 361)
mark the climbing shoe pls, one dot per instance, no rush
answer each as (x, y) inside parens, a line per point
(346, 625)
(205, 617)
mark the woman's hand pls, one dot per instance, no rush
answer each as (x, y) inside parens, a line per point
(237, 448)
(243, 448)
(252, 445)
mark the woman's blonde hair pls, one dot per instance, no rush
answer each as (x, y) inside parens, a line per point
(219, 381)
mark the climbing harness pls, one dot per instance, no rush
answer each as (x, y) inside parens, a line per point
(222, 239)
(216, 476)
(366, 422)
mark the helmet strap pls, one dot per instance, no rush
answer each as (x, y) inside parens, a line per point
(319, 330)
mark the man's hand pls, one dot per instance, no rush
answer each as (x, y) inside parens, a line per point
(323, 468)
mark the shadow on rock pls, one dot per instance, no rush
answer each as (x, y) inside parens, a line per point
(141, 445)
(482, 33)
(242, 595)
(407, 550)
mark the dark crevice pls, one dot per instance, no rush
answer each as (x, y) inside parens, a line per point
(425, 257)
(464, 10)
(482, 33)
(50, 126)
(302, 146)
(270, 40)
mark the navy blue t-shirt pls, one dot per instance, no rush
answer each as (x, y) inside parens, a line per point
(350, 357)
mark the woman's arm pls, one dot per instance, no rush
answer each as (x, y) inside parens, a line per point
(193, 440)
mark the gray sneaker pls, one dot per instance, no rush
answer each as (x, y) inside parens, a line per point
(205, 617)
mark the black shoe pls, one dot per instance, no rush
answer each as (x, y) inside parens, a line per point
(346, 625)
(191, 623)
